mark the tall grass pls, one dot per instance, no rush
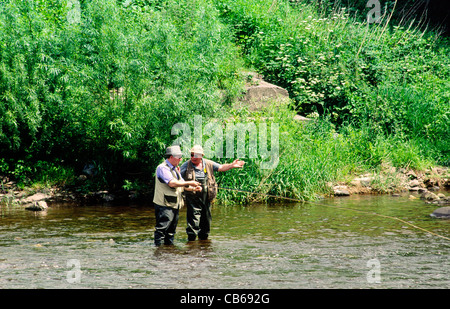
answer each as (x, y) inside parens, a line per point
(313, 156)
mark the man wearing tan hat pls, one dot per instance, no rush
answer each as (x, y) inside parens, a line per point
(169, 186)
(199, 203)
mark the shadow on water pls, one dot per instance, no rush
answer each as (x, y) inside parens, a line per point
(256, 246)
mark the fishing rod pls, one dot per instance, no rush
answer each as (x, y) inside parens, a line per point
(337, 207)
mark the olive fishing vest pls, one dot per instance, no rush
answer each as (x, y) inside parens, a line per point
(165, 195)
(211, 183)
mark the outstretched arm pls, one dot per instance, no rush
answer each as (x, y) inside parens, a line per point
(235, 164)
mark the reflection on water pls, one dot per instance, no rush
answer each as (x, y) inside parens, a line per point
(257, 246)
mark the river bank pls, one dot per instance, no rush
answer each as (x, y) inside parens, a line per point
(396, 182)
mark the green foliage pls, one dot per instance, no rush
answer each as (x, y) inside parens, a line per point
(310, 156)
(28, 173)
(389, 78)
(105, 81)
(314, 155)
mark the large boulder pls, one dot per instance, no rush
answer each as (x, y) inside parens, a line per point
(36, 202)
(259, 93)
(429, 196)
(35, 198)
(443, 213)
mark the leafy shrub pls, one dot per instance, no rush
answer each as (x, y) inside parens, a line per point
(107, 86)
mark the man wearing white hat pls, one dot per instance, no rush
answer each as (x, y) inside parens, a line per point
(199, 203)
(169, 186)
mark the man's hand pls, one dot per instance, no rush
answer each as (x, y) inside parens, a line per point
(237, 163)
(197, 189)
(193, 183)
(194, 188)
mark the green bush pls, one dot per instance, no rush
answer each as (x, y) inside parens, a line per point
(106, 85)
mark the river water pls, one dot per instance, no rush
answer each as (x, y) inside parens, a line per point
(267, 246)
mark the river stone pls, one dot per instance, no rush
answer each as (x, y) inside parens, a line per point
(443, 212)
(447, 183)
(411, 175)
(37, 206)
(301, 118)
(36, 197)
(414, 183)
(422, 190)
(341, 192)
(429, 196)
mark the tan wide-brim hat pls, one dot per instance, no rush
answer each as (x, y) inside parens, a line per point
(197, 149)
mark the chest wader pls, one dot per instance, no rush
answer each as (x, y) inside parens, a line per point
(198, 205)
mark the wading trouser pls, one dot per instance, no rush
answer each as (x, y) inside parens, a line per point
(198, 214)
(166, 224)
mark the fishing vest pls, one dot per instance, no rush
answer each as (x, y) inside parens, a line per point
(211, 184)
(165, 195)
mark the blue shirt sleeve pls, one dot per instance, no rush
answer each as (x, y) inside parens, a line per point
(163, 174)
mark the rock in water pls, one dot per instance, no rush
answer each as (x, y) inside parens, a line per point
(37, 206)
(340, 192)
(443, 212)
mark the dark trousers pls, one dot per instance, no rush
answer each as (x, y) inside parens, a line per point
(166, 224)
(198, 215)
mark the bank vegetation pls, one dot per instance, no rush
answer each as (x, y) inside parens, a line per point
(89, 92)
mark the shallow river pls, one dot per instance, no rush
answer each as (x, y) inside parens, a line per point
(257, 246)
